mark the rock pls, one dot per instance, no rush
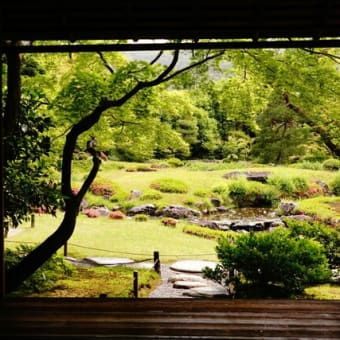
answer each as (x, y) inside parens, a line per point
(108, 261)
(208, 291)
(189, 284)
(135, 194)
(178, 211)
(192, 266)
(287, 208)
(147, 209)
(258, 176)
(186, 277)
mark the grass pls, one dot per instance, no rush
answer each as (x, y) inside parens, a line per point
(112, 282)
(323, 207)
(104, 237)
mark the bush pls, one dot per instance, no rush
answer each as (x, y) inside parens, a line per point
(335, 185)
(117, 215)
(327, 236)
(208, 233)
(253, 194)
(175, 162)
(332, 164)
(45, 277)
(170, 185)
(102, 188)
(289, 186)
(309, 165)
(151, 194)
(141, 218)
(270, 263)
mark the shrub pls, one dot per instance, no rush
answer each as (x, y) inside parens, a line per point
(335, 185)
(175, 162)
(151, 194)
(102, 188)
(309, 165)
(169, 222)
(202, 193)
(117, 215)
(327, 236)
(45, 277)
(170, 185)
(269, 263)
(207, 233)
(332, 164)
(141, 218)
(289, 186)
(93, 213)
(253, 194)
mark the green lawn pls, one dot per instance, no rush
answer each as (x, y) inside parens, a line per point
(105, 237)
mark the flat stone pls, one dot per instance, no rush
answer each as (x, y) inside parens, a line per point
(192, 266)
(108, 261)
(189, 284)
(207, 291)
(186, 277)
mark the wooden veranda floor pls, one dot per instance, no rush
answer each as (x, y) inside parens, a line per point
(84, 318)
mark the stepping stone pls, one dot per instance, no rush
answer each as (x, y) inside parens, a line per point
(189, 284)
(108, 261)
(192, 266)
(186, 277)
(207, 291)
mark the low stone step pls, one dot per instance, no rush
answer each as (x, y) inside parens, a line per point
(186, 277)
(189, 284)
(207, 291)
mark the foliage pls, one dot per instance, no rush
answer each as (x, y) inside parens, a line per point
(31, 179)
(174, 162)
(335, 185)
(141, 218)
(288, 186)
(309, 165)
(151, 194)
(101, 189)
(266, 262)
(207, 233)
(331, 164)
(45, 277)
(253, 194)
(329, 237)
(236, 147)
(170, 185)
(117, 215)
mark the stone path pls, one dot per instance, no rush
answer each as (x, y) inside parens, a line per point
(184, 279)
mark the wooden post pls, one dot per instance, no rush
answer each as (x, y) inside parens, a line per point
(32, 220)
(156, 261)
(2, 204)
(65, 249)
(135, 284)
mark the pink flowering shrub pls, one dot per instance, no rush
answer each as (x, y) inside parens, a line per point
(91, 213)
(117, 215)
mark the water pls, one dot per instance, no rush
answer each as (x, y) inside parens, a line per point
(245, 214)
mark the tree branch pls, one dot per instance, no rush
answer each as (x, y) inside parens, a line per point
(105, 62)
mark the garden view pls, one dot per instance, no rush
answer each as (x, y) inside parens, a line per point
(231, 157)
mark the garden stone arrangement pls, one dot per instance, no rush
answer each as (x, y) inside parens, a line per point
(184, 279)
